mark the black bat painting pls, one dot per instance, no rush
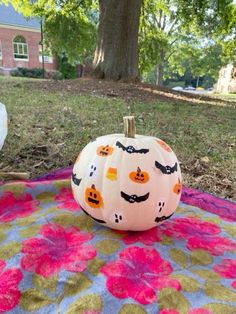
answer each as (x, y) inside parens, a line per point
(166, 169)
(75, 180)
(159, 219)
(134, 198)
(130, 149)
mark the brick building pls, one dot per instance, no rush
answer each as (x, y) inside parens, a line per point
(20, 42)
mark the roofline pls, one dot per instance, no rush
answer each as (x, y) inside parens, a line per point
(20, 27)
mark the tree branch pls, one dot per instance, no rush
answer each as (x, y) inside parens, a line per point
(173, 41)
(164, 23)
(172, 26)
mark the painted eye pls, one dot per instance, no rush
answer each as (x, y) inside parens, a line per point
(137, 174)
(95, 195)
(90, 193)
(142, 175)
(95, 168)
(118, 218)
(159, 203)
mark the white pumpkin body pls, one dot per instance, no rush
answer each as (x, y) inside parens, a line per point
(3, 125)
(123, 203)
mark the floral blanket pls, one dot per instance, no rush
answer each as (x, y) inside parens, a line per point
(55, 259)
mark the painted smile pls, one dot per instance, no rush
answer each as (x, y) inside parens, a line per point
(91, 200)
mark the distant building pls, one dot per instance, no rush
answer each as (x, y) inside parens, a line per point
(227, 80)
(20, 42)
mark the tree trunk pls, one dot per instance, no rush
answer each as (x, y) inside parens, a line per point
(116, 55)
(160, 69)
(197, 82)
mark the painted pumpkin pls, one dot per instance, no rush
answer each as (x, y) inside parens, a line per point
(177, 187)
(104, 150)
(93, 197)
(139, 176)
(3, 125)
(136, 184)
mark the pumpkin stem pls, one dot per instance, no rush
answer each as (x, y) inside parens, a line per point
(129, 126)
(138, 170)
(93, 187)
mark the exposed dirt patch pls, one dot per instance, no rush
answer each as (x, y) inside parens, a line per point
(128, 92)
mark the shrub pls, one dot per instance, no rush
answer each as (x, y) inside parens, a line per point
(68, 70)
(27, 72)
(57, 75)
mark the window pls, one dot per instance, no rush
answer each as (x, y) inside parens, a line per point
(47, 55)
(20, 48)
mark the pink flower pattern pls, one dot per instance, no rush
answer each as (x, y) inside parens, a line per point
(130, 275)
(199, 235)
(214, 245)
(66, 200)
(233, 284)
(9, 291)
(169, 311)
(12, 207)
(58, 248)
(138, 273)
(148, 237)
(200, 311)
(226, 269)
(188, 227)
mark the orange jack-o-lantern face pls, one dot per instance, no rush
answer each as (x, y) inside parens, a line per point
(139, 176)
(164, 146)
(104, 150)
(93, 197)
(177, 187)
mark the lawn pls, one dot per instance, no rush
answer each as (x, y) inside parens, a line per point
(50, 122)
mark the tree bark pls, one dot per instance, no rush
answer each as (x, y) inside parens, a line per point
(160, 68)
(116, 55)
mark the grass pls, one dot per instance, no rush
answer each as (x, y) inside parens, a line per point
(226, 96)
(47, 130)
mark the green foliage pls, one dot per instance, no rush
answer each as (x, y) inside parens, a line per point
(27, 72)
(195, 37)
(154, 35)
(208, 16)
(149, 76)
(69, 26)
(68, 71)
(183, 36)
(197, 57)
(57, 76)
(71, 31)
